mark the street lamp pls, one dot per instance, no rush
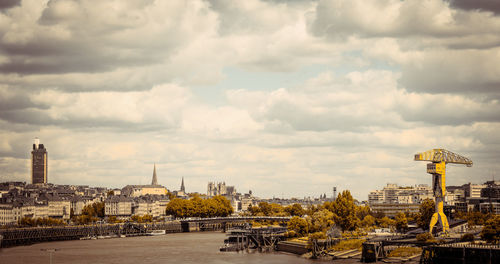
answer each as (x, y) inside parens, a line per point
(51, 251)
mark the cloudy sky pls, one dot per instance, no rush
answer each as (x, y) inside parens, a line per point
(284, 98)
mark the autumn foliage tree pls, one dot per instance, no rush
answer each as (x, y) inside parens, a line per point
(197, 207)
(425, 213)
(295, 210)
(320, 221)
(344, 211)
(401, 222)
(90, 213)
(298, 225)
(491, 230)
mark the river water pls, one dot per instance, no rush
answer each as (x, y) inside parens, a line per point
(182, 248)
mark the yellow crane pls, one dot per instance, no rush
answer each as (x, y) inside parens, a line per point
(439, 159)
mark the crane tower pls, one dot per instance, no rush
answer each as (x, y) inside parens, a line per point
(439, 159)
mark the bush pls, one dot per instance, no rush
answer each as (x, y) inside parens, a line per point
(403, 252)
(290, 234)
(317, 235)
(467, 237)
(425, 237)
(349, 244)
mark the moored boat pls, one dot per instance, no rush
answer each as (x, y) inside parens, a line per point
(157, 233)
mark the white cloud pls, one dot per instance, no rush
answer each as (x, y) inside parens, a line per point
(112, 87)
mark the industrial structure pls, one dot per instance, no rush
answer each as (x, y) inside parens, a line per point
(439, 158)
(39, 163)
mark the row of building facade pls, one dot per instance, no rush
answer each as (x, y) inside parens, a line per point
(467, 197)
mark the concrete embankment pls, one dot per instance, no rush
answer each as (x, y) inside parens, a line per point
(292, 247)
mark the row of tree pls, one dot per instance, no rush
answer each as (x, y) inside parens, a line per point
(197, 207)
(342, 213)
(39, 221)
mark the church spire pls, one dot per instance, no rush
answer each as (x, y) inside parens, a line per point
(155, 179)
(182, 185)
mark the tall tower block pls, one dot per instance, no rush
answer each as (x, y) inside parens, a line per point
(39, 163)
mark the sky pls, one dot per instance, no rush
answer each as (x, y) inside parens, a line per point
(284, 98)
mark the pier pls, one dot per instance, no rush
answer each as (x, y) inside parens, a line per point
(261, 239)
(461, 253)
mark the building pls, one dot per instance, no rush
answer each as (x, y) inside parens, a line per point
(473, 190)
(140, 190)
(220, 188)
(153, 205)
(7, 214)
(11, 213)
(39, 163)
(394, 194)
(391, 209)
(182, 192)
(118, 206)
(58, 207)
(393, 198)
(454, 196)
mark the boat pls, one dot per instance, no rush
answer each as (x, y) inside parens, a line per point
(156, 232)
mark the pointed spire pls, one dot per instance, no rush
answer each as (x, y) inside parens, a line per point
(182, 185)
(155, 179)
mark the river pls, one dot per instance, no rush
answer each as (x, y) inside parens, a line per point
(182, 248)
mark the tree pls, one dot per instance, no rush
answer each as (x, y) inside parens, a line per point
(386, 222)
(197, 207)
(295, 210)
(362, 211)
(491, 230)
(177, 208)
(401, 222)
(320, 221)
(344, 211)
(224, 206)
(477, 218)
(425, 213)
(277, 210)
(265, 208)
(368, 221)
(94, 210)
(254, 210)
(425, 237)
(298, 225)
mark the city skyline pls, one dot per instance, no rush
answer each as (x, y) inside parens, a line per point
(284, 98)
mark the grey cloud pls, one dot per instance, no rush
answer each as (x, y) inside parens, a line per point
(5, 4)
(339, 19)
(85, 62)
(482, 5)
(437, 78)
(437, 114)
(84, 43)
(39, 118)
(17, 102)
